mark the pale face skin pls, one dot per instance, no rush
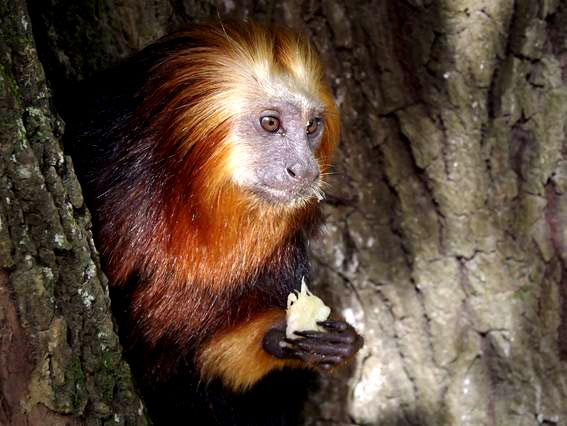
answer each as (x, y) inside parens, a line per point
(277, 140)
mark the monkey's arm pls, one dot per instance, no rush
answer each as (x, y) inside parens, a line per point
(236, 356)
(243, 354)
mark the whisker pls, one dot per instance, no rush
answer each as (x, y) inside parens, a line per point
(318, 191)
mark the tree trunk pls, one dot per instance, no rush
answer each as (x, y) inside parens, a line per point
(60, 360)
(445, 242)
(450, 245)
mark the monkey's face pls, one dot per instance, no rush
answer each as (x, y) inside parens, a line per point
(274, 152)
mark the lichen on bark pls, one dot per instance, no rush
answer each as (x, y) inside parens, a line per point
(60, 356)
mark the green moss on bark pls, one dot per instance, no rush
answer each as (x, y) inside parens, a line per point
(76, 373)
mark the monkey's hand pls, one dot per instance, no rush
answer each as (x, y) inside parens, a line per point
(320, 349)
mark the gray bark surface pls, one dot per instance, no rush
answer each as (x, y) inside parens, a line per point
(450, 257)
(445, 242)
(60, 360)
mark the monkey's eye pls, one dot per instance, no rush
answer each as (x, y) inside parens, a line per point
(312, 126)
(270, 124)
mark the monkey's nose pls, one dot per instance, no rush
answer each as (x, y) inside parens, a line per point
(303, 173)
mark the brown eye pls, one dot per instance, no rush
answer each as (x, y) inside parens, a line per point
(270, 124)
(312, 126)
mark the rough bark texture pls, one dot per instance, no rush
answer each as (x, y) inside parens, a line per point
(445, 242)
(454, 245)
(60, 360)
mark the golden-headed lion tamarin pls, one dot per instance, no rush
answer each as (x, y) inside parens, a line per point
(202, 159)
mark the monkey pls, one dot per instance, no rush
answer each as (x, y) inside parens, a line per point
(202, 159)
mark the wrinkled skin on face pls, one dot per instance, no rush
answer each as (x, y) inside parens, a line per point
(277, 142)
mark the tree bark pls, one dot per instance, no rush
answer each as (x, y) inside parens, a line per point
(60, 360)
(452, 251)
(445, 242)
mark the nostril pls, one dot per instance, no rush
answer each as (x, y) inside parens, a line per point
(303, 172)
(292, 170)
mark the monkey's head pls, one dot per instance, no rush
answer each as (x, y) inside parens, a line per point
(249, 109)
(220, 152)
(275, 144)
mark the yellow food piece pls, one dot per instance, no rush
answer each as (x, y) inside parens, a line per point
(304, 311)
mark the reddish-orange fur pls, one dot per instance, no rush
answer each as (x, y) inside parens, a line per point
(236, 355)
(203, 232)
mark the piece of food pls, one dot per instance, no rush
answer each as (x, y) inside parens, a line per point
(304, 311)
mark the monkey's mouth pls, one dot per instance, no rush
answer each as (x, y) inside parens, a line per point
(291, 195)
